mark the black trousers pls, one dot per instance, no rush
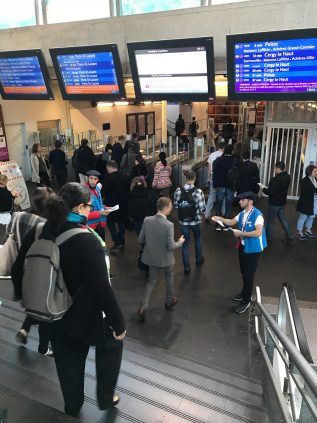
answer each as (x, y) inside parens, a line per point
(61, 176)
(70, 357)
(248, 265)
(44, 337)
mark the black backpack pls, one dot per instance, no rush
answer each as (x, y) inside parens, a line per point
(186, 205)
(233, 178)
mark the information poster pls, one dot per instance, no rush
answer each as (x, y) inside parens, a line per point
(16, 183)
(4, 153)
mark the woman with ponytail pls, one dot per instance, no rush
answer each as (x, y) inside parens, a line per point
(95, 318)
(162, 176)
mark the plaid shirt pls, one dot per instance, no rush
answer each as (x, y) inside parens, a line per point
(199, 199)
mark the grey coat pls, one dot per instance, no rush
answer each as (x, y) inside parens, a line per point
(158, 236)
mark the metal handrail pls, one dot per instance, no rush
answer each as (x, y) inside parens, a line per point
(302, 365)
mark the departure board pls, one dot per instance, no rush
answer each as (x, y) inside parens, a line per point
(273, 68)
(173, 70)
(22, 76)
(277, 66)
(88, 72)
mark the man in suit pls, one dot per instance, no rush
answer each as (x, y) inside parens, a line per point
(157, 236)
(115, 191)
(249, 175)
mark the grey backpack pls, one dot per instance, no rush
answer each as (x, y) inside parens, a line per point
(44, 293)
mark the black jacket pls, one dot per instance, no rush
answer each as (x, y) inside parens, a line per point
(277, 189)
(220, 169)
(6, 200)
(134, 144)
(305, 203)
(57, 159)
(139, 170)
(142, 203)
(117, 153)
(249, 177)
(86, 159)
(82, 261)
(115, 190)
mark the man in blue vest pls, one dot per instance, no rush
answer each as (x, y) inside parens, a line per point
(97, 218)
(251, 241)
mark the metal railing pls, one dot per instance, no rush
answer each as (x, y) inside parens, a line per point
(293, 378)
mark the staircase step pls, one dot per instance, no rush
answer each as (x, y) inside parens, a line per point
(23, 409)
(152, 382)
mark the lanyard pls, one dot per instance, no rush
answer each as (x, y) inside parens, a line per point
(247, 218)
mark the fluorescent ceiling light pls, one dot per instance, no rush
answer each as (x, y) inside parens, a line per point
(104, 104)
(121, 103)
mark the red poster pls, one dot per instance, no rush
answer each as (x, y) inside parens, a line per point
(4, 153)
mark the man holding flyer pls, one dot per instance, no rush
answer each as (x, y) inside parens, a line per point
(251, 241)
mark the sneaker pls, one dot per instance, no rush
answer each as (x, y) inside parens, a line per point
(22, 336)
(120, 247)
(170, 305)
(141, 314)
(242, 307)
(49, 353)
(238, 297)
(226, 228)
(218, 227)
(301, 237)
(186, 270)
(200, 262)
(310, 234)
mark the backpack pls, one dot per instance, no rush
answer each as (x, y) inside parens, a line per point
(233, 178)
(186, 205)
(44, 293)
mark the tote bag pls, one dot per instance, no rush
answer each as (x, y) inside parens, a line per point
(9, 251)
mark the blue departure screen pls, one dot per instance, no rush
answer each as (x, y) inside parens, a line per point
(88, 73)
(22, 75)
(284, 66)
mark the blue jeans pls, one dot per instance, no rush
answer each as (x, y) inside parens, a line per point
(280, 212)
(227, 195)
(211, 201)
(306, 220)
(185, 230)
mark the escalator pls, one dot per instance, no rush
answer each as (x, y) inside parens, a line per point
(290, 380)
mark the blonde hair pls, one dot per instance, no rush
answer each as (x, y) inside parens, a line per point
(3, 180)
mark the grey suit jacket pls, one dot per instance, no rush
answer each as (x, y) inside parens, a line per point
(158, 236)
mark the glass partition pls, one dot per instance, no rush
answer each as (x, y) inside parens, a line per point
(76, 10)
(16, 13)
(129, 7)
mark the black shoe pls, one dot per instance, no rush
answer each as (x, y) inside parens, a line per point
(310, 234)
(172, 304)
(226, 228)
(141, 314)
(242, 307)
(238, 297)
(218, 227)
(301, 237)
(200, 262)
(22, 336)
(186, 270)
(115, 401)
(120, 247)
(3, 415)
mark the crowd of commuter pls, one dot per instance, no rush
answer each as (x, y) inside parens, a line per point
(123, 196)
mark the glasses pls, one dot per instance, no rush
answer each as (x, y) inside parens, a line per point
(90, 206)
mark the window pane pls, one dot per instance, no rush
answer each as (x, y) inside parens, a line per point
(15, 13)
(140, 6)
(76, 10)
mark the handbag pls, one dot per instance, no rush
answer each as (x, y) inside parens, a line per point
(10, 249)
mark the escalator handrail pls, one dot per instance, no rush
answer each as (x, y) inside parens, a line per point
(300, 362)
(299, 326)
